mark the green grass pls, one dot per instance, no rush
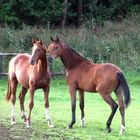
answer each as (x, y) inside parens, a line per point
(96, 111)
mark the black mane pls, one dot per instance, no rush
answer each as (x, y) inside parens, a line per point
(72, 50)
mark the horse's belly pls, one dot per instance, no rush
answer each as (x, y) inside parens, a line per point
(87, 88)
(23, 79)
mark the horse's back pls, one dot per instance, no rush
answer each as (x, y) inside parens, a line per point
(19, 68)
(94, 77)
(105, 76)
(106, 70)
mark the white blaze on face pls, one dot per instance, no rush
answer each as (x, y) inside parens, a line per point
(35, 47)
(32, 56)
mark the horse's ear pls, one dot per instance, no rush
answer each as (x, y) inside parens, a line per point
(57, 39)
(40, 41)
(52, 38)
(33, 41)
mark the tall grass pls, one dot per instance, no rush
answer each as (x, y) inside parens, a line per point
(117, 43)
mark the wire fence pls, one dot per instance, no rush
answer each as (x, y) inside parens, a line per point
(5, 58)
(2, 55)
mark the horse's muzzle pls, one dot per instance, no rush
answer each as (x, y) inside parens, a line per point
(50, 59)
(31, 61)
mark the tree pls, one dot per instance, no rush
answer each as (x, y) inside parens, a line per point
(80, 12)
(64, 17)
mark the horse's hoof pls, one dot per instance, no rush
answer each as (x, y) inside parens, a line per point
(121, 133)
(82, 123)
(13, 122)
(122, 130)
(28, 124)
(109, 129)
(50, 125)
(69, 127)
(24, 122)
(24, 118)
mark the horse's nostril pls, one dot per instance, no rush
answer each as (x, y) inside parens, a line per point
(32, 62)
(50, 59)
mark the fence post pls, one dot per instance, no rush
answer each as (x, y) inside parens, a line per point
(1, 64)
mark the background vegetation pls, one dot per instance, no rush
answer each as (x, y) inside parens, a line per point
(64, 12)
(118, 43)
(100, 30)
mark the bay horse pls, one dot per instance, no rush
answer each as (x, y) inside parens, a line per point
(31, 72)
(83, 75)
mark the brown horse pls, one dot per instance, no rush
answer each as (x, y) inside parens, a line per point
(30, 71)
(82, 75)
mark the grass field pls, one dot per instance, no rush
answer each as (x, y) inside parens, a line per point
(96, 111)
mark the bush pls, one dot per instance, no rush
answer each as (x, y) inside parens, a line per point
(116, 43)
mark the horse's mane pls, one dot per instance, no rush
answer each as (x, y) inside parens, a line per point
(72, 50)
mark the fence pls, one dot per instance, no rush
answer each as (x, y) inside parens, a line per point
(1, 61)
(13, 54)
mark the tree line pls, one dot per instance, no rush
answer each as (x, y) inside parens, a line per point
(63, 13)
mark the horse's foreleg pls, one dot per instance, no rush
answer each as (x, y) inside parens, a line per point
(81, 105)
(47, 114)
(113, 106)
(21, 100)
(31, 104)
(13, 100)
(73, 105)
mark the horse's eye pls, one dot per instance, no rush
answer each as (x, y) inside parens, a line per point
(56, 48)
(39, 50)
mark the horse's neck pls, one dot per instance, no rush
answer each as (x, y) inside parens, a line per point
(41, 65)
(71, 59)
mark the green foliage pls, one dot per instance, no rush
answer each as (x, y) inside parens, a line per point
(109, 10)
(116, 43)
(16, 13)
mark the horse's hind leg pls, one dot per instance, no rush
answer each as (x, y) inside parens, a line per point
(47, 115)
(21, 100)
(81, 105)
(113, 106)
(13, 84)
(119, 94)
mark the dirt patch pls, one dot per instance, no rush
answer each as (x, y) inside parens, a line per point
(4, 133)
(18, 132)
(14, 132)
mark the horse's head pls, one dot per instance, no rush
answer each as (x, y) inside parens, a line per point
(54, 49)
(38, 51)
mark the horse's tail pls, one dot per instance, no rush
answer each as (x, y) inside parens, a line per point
(123, 83)
(8, 94)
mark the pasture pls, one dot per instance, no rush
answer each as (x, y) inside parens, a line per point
(96, 115)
